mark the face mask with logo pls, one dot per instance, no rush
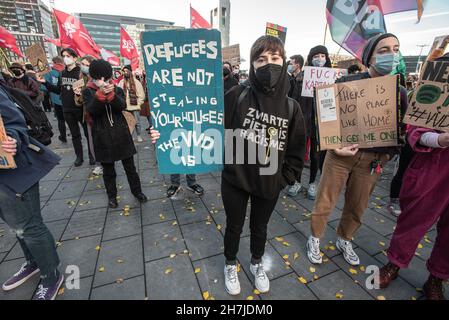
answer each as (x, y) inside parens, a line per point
(269, 75)
(319, 62)
(386, 63)
(85, 70)
(68, 61)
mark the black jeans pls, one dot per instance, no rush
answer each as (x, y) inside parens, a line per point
(110, 176)
(23, 215)
(74, 119)
(405, 158)
(235, 202)
(61, 122)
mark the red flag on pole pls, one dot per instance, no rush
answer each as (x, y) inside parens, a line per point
(128, 49)
(110, 57)
(74, 35)
(7, 40)
(197, 21)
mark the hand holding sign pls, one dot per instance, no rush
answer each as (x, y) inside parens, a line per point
(443, 140)
(10, 145)
(155, 135)
(349, 151)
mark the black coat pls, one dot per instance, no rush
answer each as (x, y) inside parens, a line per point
(111, 142)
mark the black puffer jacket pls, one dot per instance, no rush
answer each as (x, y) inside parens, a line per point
(111, 137)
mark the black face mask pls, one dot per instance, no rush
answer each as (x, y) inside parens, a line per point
(17, 72)
(127, 75)
(269, 75)
(226, 72)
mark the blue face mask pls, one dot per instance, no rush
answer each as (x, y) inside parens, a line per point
(85, 70)
(317, 62)
(386, 63)
(290, 68)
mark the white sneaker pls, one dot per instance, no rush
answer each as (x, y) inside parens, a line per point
(232, 283)
(313, 250)
(98, 171)
(311, 193)
(348, 252)
(139, 139)
(394, 207)
(261, 282)
(294, 189)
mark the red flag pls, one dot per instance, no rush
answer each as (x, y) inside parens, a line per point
(56, 42)
(74, 35)
(7, 40)
(110, 57)
(128, 49)
(197, 21)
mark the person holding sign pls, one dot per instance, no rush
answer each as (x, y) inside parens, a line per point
(262, 115)
(319, 58)
(352, 168)
(426, 176)
(20, 205)
(111, 137)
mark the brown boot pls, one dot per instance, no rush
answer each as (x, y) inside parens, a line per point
(387, 274)
(433, 289)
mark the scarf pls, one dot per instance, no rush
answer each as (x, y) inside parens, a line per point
(131, 90)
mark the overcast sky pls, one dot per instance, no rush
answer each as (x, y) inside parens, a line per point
(305, 20)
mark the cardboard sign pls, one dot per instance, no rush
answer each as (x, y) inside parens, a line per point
(361, 112)
(276, 31)
(429, 106)
(440, 42)
(315, 77)
(232, 55)
(184, 79)
(6, 159)
(78, 84)
(130, 120)
(38, 58)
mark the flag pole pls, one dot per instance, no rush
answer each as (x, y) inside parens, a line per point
(325, 34)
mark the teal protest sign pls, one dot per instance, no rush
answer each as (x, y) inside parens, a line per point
(184, 77)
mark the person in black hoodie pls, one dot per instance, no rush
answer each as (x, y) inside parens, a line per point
(73, 114)
(318, 57)
(259, 116)
(229, 81)
(110, 132)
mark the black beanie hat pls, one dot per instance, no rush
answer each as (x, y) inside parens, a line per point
(368, 50)
(316, 50)
(100, 69)
(70, 51)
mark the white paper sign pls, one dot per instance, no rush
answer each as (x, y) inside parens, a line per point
(316, 77)
(328, 105)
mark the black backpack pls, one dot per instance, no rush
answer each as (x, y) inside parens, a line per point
(38, 125)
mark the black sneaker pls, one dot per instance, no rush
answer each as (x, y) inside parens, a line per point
(196, 189)
(141, 197)
(113, 204)
(173, 191)
(50, 292)
(78, 162)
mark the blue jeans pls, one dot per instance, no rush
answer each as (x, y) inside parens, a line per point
(176, 180)
(22, 214)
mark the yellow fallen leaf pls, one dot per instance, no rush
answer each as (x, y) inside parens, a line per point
(353, 271)
(172, 255)
(256, 291)
(250, 298)
(420, 246)
(101, 269)
(413, 298)
(61, 291)
(175, 223)
(286, 244)
(168, 271)
(362, 268)
(381, 298)
(285, 257)
(206, 295)
(339, 296)
(197, 270)
(98, 248)
(312, 269)
(119, 281)
(219, 226)
(120, 261)
(315, 277)
(382, 243)
(279, 239)
(302, 280)
(332, 248)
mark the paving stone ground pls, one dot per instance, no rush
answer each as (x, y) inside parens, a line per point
(173, 249)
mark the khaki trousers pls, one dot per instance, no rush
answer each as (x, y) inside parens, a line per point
(354, 173)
